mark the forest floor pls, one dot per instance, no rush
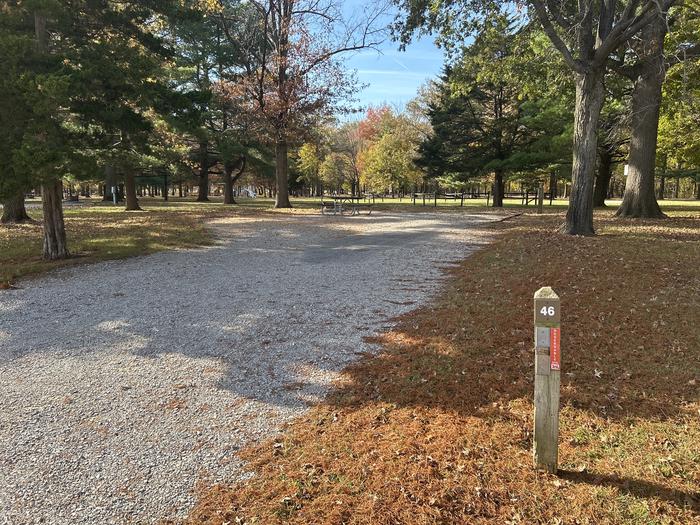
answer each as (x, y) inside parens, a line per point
(437, 427)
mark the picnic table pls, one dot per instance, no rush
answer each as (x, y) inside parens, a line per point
(344, 203)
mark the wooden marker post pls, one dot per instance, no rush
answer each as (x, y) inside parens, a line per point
(540, 198)
(547, 370)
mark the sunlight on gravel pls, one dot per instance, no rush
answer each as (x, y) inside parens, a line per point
(125, 384)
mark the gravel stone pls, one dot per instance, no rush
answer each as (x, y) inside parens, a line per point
(125, 385)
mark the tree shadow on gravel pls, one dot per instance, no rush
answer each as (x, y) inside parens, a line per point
(436, 428)
(160, 311)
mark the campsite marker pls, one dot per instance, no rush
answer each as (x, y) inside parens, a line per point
(547, 370)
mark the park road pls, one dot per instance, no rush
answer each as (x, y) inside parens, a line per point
(125, 384)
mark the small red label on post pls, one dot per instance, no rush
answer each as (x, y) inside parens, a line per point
(555, 348)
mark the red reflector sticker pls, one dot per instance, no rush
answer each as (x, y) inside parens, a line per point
(555, 348)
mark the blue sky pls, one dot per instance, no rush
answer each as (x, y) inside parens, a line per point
(395, 76)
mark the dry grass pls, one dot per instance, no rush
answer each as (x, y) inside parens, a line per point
(102, 231)
(97, 233)
(437, 427)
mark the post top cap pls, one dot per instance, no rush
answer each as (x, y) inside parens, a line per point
(546, 293)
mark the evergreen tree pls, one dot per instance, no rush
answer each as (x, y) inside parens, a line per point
(495, 113)
(82, 80)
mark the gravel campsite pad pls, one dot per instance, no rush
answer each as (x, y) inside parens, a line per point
(124, 385)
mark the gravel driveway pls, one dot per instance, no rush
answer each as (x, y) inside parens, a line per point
(125, 384)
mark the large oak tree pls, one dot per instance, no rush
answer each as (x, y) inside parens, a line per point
(587, 34)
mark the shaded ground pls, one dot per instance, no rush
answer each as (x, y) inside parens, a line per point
(437, 427)
(125, 384)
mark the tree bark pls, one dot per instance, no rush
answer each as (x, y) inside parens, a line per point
(639, 199)
(203, 194)
(282, 175)
(228, 184)
(281, 147)
(498, 190)
(553, 184)
(132, 201)
(13, 210)
(110, 182)
(55, 245)
(230, 179)
(602, 179)
(589, 100)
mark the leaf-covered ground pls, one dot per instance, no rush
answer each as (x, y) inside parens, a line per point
(437, 428)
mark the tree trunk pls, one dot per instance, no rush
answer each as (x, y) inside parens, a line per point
(602, 179)
(13, 210)
(553, 184)
(639, 199)
(282, 175)
(203, 194)
(230, 179)
(281, 156)
(110, 182)
(589, 100)
(228, 184)
(498, 190)
(55, 245)
(132, 201)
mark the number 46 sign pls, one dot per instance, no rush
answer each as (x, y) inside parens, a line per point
(548, 311)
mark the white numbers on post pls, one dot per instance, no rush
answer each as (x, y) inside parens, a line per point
(548, 311)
